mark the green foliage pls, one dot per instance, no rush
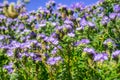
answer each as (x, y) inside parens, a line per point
(71, 60)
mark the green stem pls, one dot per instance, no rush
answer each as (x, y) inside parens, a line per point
(68, 65)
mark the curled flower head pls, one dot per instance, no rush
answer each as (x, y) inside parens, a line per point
(54, 51)
(80, 28)
(82, 41)
(53, 60)
(25, 45)
(9, 67)
(2, 37)
(37, 57)
(118, 15)
(101, 57)
(54, 35)
(41, 36)
(10, 53)
(85, 41)
(59, 29)
(83, 22)
(69, 22)
(112, 15)
(78, 6)
(116, 8)
(2, 17)
(109, 42)
(25, 54)
(89, 51)
(91, 24)
(105, 20)
(71, 34)
(67, 28)
(115, 53)
(54, 41)
(50, 4)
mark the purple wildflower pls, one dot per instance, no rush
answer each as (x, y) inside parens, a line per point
(2, 17)
(118, 15)
(10, 53)
(82, 41)
(53, 40)
(71, 34)
(2, 37)
(101, 57)
(68, 27)
(109, 42)
(55, 24)
(32, 34)
(53, 60)
(50, 3)
(42, 25)
(78, 6)
(20, 55)
(91, 24)
(25, 45)
(90, 51)
(68, 22)
(21, 27)
(116, 8)
(47, 47)
(101, 14)
(100, 9)
(83, 22)
(85, 41)
(54, 35)
(9, 67)
(88, 8)
(105, 20)
(23, 15)
(46, 39)
(37, 57)
(1, 11)
(32, 54)
(15, 44)
(80, 28)
(54, 51)
(41, 36)
(31, 19)
(115, 53)
(59, 47)
(112, 15)
(59, 28)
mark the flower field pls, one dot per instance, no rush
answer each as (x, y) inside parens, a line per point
(60, 42)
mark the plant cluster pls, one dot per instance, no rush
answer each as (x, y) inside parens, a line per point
(60, 42)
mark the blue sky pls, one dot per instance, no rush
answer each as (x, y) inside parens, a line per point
(35, 4)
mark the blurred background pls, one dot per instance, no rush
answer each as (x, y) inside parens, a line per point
(35, 4)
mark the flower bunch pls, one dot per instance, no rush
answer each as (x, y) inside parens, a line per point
(59, 41)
